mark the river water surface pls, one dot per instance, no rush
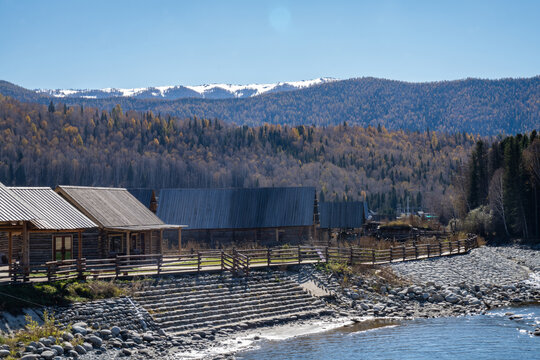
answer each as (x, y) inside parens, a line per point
(491, 336)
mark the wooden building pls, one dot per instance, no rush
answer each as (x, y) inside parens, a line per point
(126, 226)
(241, 217)
(342, 219)
(37, 225)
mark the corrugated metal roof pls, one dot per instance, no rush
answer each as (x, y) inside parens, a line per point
(109, 207)
(237, 208)
(342, 214)
(53, 212)
(12, 208)
(143, 195)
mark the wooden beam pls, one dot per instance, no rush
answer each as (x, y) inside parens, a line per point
(128, 243)
(10, 251)
(179, 241)
(277, 235)
(161, 242)
(150, 233)
(26, 248)
(80, 244)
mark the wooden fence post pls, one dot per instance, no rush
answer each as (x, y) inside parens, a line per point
(391, 253)
(299, 255)
(159, 263)
(49, 272)
(198, 261)
(459, 246)
(81, 268)
(440, 248)
(450, 247)
(415, 251)
(428, 251)
(351, 256)
(327, 254)
(117, 266)
(403, 249)
(222, 265)
(268, 256)
(373, 256)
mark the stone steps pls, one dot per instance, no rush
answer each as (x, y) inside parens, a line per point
(211, 303)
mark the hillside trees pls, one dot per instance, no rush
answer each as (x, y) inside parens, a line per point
(88, 146)
(513, 183)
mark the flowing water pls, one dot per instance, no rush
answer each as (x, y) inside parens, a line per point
(491, 336)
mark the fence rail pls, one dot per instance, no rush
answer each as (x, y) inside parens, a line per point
(237, 261)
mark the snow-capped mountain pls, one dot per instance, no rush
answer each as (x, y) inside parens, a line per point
(212, 91)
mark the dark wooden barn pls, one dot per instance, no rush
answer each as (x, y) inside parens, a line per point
(146, 196)
(37, 225)
(126, 226)
(342, 218)
(241, 217)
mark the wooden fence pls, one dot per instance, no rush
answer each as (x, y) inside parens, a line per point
(237, 261)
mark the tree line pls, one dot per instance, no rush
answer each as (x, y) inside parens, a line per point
(486, 107)
(61, 144)
(501, 187)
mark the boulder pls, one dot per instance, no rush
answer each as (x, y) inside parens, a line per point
(95, 341)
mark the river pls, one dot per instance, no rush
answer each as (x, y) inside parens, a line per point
(491, 336)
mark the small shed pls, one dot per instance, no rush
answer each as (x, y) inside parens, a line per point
(243, 216)
(126, 226)
(342, 217)
(37, 225)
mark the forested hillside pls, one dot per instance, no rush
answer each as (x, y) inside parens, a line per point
(72, 145)
(485, 107)
(501, 187)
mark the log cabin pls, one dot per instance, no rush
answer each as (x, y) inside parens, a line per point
(125, 225)
(37, 225)
(220, 218)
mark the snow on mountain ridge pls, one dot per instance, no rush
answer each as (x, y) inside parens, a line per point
(204, 91)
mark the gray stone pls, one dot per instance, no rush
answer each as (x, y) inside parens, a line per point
(115, 331)
(30, 357)
(95, 341)
(67, 336)
(148, 337)
(80, 349)
(67, 346)
(73, 354)
(4, 353)
(59, 350)
(48, 354)
(79, 330)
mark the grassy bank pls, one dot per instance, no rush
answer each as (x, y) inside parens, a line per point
(16, 297)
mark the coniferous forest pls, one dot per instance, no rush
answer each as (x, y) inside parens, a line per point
(61, 144)
(501, 187)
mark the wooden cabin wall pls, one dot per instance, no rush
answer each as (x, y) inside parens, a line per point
(41, 246)
(216, 239)
(17, 245)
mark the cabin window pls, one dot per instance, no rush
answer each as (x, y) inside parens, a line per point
(62, 247)
(116, 244)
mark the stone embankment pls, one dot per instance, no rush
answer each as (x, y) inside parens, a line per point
(195, 313)
(467, 284)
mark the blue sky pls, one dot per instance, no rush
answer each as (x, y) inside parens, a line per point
(95, 44)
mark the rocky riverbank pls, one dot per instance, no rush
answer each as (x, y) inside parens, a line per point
(486, 278)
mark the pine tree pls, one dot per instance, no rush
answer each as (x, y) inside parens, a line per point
(51, 107)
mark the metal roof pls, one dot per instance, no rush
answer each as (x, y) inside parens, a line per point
(52, 211)
(109, 207)
(143, 195)
(237, 208)
(342, 214)
(12, 208)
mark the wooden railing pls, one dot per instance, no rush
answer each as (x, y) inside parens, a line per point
(237, 261)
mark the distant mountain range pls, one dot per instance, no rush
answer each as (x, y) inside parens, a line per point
(485, 107)
(212, 91)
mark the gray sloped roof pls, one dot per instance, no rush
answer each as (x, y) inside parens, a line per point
(143, 195)
(237, 208)
(52, 211)
(341, 214)
(109, 207)
(12, 208)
